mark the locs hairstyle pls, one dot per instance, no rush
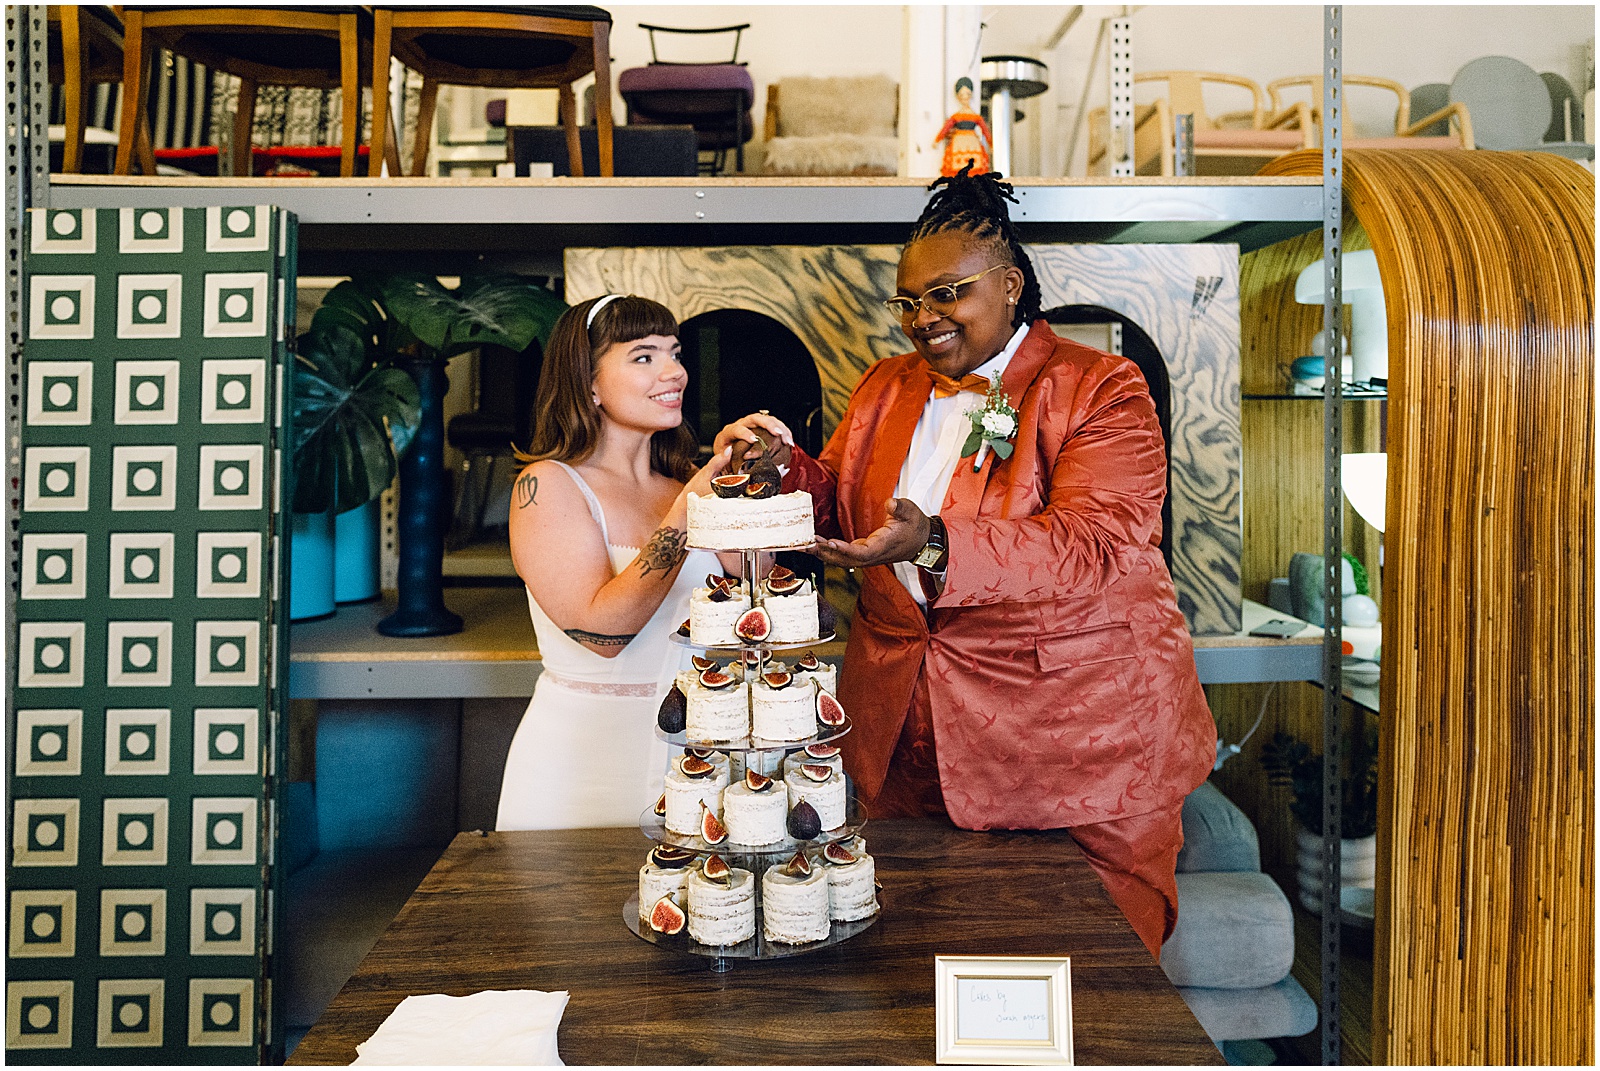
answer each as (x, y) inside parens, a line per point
(975, 205)
(566, 420)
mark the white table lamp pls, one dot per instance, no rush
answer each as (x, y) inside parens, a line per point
(1364, 478)
(1369, 323)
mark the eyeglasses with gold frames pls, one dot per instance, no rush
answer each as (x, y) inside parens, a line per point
(939, 300)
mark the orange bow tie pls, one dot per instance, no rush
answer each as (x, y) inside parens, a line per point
(944, 386)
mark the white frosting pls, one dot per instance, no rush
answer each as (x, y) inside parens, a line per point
(795, 909)
(825, 674)
(716, 715)
(656, 882)
(685, 794)
(747, 523)
(851, 892)
(826, 796)
(722, 915)
(794, 617)
(754, 817)
(795, 759)
(711, 623)
(788, 713)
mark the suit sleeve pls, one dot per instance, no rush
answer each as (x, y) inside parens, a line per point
(820, 475)
(1103, 502)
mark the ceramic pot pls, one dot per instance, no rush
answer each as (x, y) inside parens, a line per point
(1358, 858)
(356, 547)
(311, 569)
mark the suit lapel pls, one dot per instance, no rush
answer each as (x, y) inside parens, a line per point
(966, 486)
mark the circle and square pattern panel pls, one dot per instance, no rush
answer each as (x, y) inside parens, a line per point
(150, 648)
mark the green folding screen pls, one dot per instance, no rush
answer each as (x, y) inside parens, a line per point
(149, 659)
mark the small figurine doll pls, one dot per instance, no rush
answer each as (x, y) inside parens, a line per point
(965, 135)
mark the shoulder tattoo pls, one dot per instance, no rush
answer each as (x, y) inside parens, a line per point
(527, 489)
(598, 639)
(664, 551)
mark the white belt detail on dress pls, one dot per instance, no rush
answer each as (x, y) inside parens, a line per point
(648, 688)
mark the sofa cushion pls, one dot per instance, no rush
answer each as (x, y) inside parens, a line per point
(1216, 835)
(824, 107)
(839, 154)
(1283, 1010)
(1235, 931)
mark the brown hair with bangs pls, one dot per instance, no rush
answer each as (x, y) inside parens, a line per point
(566, 420)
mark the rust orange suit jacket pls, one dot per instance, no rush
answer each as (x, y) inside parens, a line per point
(1060, 672)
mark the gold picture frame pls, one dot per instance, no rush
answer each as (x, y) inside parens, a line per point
(1003, 1010)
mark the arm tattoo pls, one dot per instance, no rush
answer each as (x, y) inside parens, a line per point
(527, 489)
(664, 551)
(598, 639)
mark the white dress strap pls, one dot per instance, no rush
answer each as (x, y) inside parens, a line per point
(595, 511)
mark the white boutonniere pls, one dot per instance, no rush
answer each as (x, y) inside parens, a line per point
(993, 427)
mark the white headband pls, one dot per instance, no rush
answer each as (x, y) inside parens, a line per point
(594, 310)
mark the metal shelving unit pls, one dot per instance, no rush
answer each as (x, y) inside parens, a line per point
(523, 224)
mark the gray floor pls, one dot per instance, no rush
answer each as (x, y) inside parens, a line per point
(337, 906)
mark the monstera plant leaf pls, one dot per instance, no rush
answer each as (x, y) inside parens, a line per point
(347, 410)
(497, 310)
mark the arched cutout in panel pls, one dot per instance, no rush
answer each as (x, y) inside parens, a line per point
(740, 362)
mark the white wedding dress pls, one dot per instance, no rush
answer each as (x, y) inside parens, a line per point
(586, 752)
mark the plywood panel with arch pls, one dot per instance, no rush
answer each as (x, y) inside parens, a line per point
(1186, 298)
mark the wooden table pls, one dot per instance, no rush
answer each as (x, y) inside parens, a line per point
(544, 911)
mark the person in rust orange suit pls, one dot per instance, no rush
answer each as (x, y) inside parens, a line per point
(1034, 672)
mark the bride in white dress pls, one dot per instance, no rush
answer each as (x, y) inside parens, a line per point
(598, 532)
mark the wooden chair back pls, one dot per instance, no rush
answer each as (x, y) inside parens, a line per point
(1186, 95)
(1460, 122)
(400, 32)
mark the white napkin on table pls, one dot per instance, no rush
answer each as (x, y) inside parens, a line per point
(516, 1026)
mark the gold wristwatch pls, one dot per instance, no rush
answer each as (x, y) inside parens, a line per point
(932, 554)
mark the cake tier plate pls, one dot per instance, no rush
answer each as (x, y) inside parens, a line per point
(684, 641)
(828, 735)
(751, 550)
(757, 947)
(654, 826)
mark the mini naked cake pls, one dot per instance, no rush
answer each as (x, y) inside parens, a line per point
(825, 794)
(852, 882)
(714, 609)
(814, 755)
(693, 781)
(754, 810)
(718, 706)
(783, 707)
(791, 605)
(810, 667)
(795, 904)
(665, 873)
(725, 522)
(722, 903)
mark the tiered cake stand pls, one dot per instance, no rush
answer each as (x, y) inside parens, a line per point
(765, 757)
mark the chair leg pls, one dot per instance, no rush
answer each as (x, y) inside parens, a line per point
(147, 156)
(425, 109)
(602, 97)
(135, 88)
(569, 119)
(244, 119)
(391, 149)
(349, 93)
(382, 34)
(738, 131)
(75, 60)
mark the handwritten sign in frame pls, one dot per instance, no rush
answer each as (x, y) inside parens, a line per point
(987, 1009)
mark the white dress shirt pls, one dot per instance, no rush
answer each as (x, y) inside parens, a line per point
(936, 450)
